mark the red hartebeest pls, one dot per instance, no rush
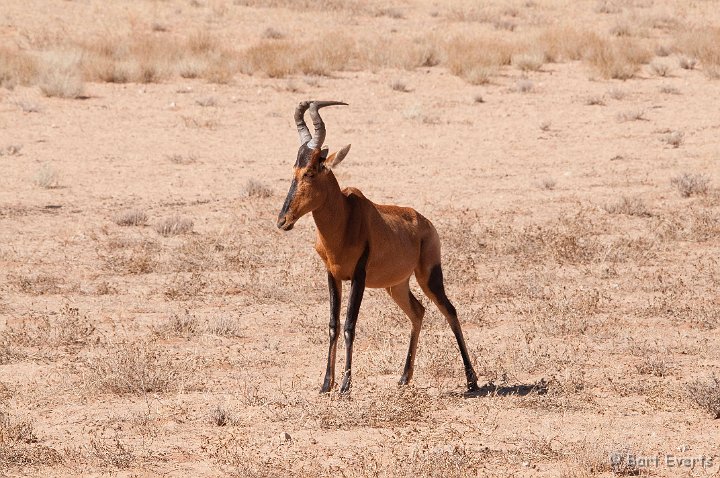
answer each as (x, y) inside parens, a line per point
(369, 244)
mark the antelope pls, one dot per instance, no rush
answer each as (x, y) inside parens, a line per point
(371, 245)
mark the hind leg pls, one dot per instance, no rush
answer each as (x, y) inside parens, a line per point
(431, 282)
(415, 311)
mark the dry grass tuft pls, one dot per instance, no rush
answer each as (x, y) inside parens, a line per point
(631, 206)
(706, 395)
(703, 44)
(596, 100)
(687, 63)
(66, 328)
(132, 217)
(477, 59)
(660, 68)
(617, 58)
(669, 90)
(528, 61)
(401, 86)
(111, 452)
(691, 184)
(524, 86)
(11, 150)
(136, 368)
(179, 324)
(17, 67)
(47, 177)
(61, 75)
(224, 327)
(566, 43)
(220, 417)
(19, 446)
(633, 115)
(548, 183)
(174, 226)
(617, 94)
(674, 138)
(255, 189)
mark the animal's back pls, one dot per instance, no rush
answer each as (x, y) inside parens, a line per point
(398, 230)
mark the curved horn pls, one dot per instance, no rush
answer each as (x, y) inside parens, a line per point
(319, 138)
(300, 122)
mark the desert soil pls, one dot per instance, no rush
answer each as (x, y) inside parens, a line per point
(579, 270)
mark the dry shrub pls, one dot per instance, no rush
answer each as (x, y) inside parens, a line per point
(674, 138)
(255, 189)
(473, 58)
(60, 76)
(567, 241)
(655, 364)
(389, 408)
(111, 452)
(687, 63)
(137, 368)
(17, 67)
(279, 58)
(131, 257)
(525, 86)
(632, 115)
(566, 43)
(703, 44)
(179, 324)
(47, 177)
(596, 100)
(669, 90)
(691, 184)
(528, 61)
(618, 58)
(399, 85)
(706, 395)
(173, 226)
(133, 217)
(185, 288)
(19, 446)
(632, 206)
(66, 328)
(224, 327)
(660, 68)
(39, 284)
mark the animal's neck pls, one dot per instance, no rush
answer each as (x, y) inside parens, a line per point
(332, 217)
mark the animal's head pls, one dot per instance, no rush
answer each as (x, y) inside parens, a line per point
(311, 173)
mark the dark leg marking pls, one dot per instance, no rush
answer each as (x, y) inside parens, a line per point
(356, 294)
(335, 288)
(435, 283)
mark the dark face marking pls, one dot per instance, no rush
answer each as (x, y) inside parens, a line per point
(286, 206)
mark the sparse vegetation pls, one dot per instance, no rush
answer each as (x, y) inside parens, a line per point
(132, 217)
(631, 206)
(674, 138)
(174, 225)
(660, 68)
(524, 86)
(706, 395)
(255, 189)
(691, 184)
(401, 86)
(47, 177)
(136, 368)
(632, 115)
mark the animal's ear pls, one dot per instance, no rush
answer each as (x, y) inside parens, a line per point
(336, 158)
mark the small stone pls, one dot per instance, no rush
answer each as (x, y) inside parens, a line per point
(285, 436)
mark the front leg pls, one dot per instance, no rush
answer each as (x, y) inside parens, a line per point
(356, 294)
(335, 287)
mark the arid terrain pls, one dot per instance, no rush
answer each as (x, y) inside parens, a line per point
(155, 322)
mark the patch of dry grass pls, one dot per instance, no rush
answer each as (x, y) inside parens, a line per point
(631, 206)
(173, 226)
(47, 177)
(706, 395)
(137, 368)
(224, 327)
(618, 58)
(17, 67)
(674, 138)
(691, 184)
(528, 61)
(19, 445)
(132, 217)
(67, 328)
(703, 44)
(255, 189)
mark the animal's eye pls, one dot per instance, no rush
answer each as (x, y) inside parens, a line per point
(309, 174)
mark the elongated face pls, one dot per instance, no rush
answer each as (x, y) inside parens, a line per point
(307, 189)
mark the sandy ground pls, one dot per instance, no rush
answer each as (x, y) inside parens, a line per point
(130, 353)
